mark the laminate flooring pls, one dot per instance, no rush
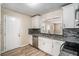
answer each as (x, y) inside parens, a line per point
(27, 50)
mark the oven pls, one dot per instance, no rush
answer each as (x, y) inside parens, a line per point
(69, 49)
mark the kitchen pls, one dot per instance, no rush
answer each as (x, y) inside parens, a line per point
(54, 32)
(55, 26)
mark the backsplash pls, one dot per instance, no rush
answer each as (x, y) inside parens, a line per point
(71, 35)
(71, 31)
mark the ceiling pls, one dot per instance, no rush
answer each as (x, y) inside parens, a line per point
(31, 10)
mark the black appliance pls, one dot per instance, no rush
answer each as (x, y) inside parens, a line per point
(69, 49)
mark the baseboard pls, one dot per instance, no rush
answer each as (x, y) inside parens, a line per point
(24, 45)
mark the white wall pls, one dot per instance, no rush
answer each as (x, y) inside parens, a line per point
(25, 25)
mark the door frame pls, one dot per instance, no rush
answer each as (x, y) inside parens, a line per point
(4, 33)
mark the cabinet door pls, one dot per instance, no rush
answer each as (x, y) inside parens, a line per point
(56, 47)
(36, 20)
(45, 45)
(43, 28)
(68, 16)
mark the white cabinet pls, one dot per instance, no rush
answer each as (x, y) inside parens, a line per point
(45, 45)
(53, 15)
(36, 20)
(52, 22)
(43, 29)
(68, 16)
(56, 47)
(49, 46)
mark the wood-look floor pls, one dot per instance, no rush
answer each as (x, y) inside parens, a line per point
(25, 51)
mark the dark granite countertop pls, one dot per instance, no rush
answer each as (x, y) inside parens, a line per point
(50, 36)
(58, 37)
(70, 35)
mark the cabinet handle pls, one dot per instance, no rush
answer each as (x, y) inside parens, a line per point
(52, 45)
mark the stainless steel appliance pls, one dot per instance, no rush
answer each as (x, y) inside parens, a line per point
(71, 46)
(69, 49)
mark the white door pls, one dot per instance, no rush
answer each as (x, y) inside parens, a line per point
(12, 29)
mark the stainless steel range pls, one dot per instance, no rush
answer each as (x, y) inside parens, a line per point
(70, 49)
(71, 46)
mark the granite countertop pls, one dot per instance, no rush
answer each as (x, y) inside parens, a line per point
(58, 37)
(50, 36)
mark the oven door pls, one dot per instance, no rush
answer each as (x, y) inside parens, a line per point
(68, 50)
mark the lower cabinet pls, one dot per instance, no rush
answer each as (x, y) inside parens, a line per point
(50, 46)
(45, 44)
(56, 47)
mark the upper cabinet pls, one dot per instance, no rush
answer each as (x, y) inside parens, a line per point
(36, 20)
(68, 16)
(55, 16)
(69, 20)
(52, 22)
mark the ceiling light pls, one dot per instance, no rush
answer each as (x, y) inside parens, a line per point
(13, 18)
(32, 4)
